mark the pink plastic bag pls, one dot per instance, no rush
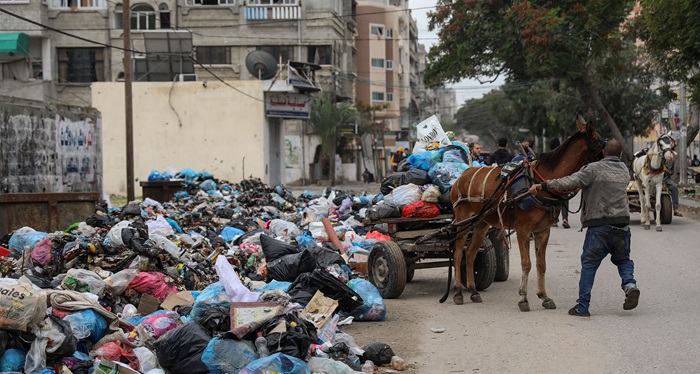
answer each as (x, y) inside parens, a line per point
(152, 284)
(41, 254)
(158, 323)
(116, 351)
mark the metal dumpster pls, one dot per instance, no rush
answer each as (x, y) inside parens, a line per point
(161, 191)
(46, 212)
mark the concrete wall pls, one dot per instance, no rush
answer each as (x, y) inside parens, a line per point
(218, 127)
(49, 148)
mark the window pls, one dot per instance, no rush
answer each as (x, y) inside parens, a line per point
(279, 52)
(272, 2)
(118, 17)
(377, 96)
(80, 65)
(389, 64)
(400, 55)
(210, 2)
(389, 96)
(320, 54)
(377, 62)
(214, 55)
(143, 17)
(376, 30)
(14, 1)
(389, 33)
(164, 13)
(78, 4)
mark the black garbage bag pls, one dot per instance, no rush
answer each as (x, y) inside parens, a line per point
(295, 341)
(39, 281)
(339, 197)
(179, 351)
(404, 165)
(274, 249)
(246, 225)
(306, 285)
(134, 237)
(98, 219)
(248, 234)
(378, 353)
(130, 210)
(445, 202)
(287, 268)
(391, 182)
(183, 310)
(69, 344)
(216, 319)
(326, 256)
(416, 176)
(380, 211)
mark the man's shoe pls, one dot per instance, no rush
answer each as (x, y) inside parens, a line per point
(566, 224)
(677, 213)
(574, 312)
(631, 299)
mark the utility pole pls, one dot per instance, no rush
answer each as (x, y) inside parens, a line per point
(683, 159)
(129, 110)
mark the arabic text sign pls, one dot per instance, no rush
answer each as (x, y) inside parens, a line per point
(287, 105)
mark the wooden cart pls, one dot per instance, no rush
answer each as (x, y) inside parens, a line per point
(392, 263)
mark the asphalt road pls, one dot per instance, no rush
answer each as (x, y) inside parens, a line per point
(662, 335)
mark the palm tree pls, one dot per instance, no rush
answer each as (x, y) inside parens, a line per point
(326, 117)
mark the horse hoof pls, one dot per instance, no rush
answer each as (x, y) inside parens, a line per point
(549, 304)
(476, 298)
(658, 228)
(524, 306)
(647, 227)
(458, 299)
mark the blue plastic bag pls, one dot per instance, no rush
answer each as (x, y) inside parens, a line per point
(155, 176)
(277, 285)
(135, 320)
(224, 356)
(305, 240)
(229, 233)
(181, 194)
(425, 160)
(445, 174)
(93, 321)
(188, 175)
(208, 185)
(373, 308)
(213, 295)
(13, 360)
(18, 241)
(174, 225)
(278, 363)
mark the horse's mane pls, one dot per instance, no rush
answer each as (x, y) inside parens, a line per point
(551, 159)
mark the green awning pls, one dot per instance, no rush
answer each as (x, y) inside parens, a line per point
(14, 44)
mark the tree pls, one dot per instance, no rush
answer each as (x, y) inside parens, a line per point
(530, 40)
(670, 32)
(326, 117)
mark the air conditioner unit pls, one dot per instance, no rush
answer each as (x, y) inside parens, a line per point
(187, 77)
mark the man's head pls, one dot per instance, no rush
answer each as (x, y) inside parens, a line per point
(612, 148)
(475, 148)
(399, 150)
(405, 151)
(502, 143)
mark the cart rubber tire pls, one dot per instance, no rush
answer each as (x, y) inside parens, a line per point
(666, 209)
(387, 269)
(410, 272)
(484, 267)
(502, 257)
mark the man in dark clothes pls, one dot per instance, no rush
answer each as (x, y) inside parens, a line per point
(501, 156)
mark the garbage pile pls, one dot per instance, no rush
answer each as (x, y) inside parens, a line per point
(224, 278)
(422, 185)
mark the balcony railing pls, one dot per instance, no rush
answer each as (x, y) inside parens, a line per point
(78, 4)
(264, 12)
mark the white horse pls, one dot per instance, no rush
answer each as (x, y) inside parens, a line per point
(649, 171)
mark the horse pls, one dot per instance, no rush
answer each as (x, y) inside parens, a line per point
(478, 197)
(650, 171)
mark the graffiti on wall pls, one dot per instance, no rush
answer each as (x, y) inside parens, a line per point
(75, 142)
(292, 145)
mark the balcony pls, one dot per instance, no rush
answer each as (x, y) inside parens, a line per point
(265, 12)
(76, 5)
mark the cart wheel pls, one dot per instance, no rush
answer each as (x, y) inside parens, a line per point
(387, 269)
(410, 272)
(666, 209)
(484, 267)
(502, 256)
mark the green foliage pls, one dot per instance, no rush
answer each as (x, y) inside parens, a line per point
(327, 116)
(670, 32)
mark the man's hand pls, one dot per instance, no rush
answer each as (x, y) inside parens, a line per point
(534, 189)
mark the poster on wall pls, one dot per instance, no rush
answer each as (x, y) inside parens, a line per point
(287, 105)
(77, 149)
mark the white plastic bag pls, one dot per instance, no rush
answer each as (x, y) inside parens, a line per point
(169, 246)
(115, 234)
(118, 282)
(235, 289)
(431, 194)
(20, 305)
(159, 226)
(403, 195)
(430, 131)
(286, 229)
(86, 280)
(147, 359)
(318, 231)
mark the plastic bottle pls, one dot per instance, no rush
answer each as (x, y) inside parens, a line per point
(398, 363)
(368, 367)
(261, 345)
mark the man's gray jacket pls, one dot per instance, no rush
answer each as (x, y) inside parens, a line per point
(603, 187)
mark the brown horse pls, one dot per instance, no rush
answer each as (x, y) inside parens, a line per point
(478, 189)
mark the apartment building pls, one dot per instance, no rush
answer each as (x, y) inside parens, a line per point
(45, 64)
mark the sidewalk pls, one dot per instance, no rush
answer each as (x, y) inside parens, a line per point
(684, 201)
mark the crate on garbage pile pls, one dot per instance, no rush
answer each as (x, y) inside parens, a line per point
(162, 190)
